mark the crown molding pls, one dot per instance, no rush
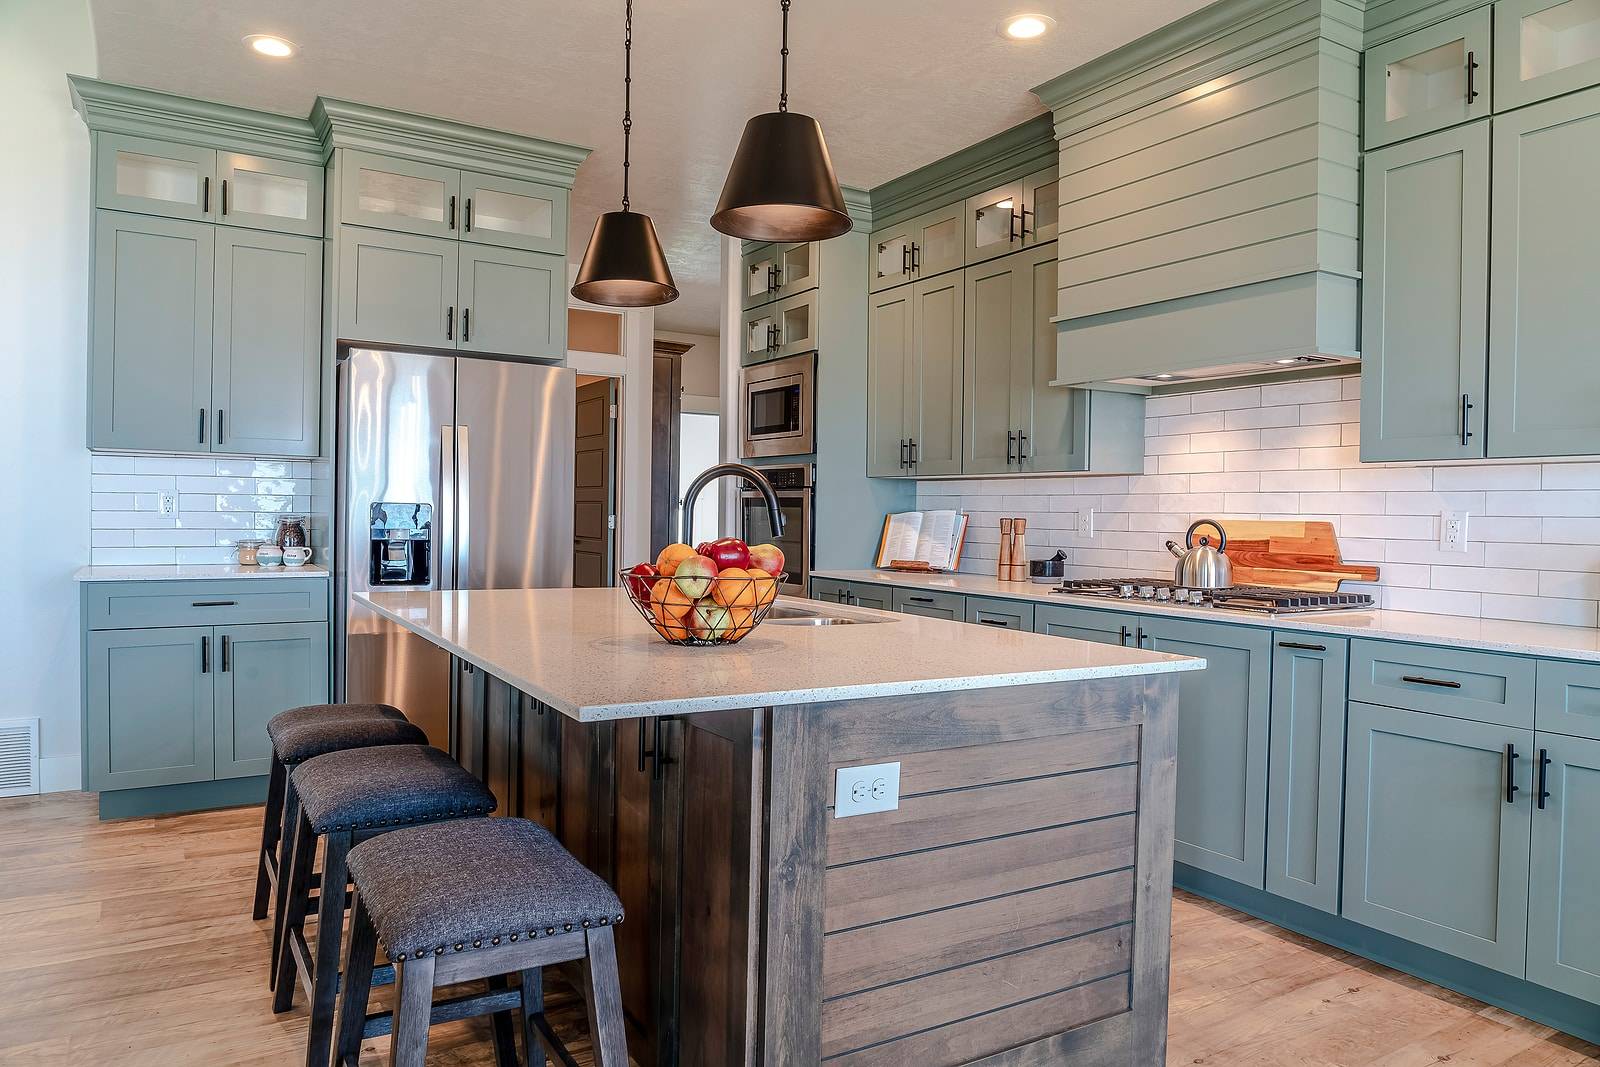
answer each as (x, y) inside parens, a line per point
(859, 203)
(1024, 148)
(344, 124)
(111, 108)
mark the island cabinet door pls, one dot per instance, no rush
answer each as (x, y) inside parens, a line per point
(1437, 824)
(1223, 722)
(538, 763)
(501, 710)
(1305, 803)
(1564, 897)
(468, 693)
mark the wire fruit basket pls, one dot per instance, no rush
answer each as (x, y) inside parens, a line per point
(726, 610)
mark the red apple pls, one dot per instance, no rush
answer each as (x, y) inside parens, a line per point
(710, 620)
(703, 548)
(767, 558)
(694, 576)
(641, 578)
(728, 552)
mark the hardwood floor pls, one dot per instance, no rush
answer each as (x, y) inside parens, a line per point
(130, 943)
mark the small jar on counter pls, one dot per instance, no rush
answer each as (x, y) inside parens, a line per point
(247, 551)
(269, 555)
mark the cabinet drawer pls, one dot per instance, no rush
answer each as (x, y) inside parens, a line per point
(934, 605)
(1567, 698)
(131, 605)
(993, 611)
(1467, 685)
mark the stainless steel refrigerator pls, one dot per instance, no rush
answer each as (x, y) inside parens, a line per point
(451, 473)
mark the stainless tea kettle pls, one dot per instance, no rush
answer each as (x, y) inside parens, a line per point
(1202, 567)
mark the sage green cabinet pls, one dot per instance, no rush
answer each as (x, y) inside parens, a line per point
(1425, 298)
(397, 288)
(921, 247)
(269, 194)
(152, 177)
(1224, 716)
(773, 271)
(1000, 613)
(1543, 334)
(266, 346)
(1041, 207)
(1437, 832)
(513, 213)
(148, 707)
(1564, 882)
(930, 603)
(1544, 48)
(856, 594)
(1305, 768)
(398, 194)
(512, 302)
(934, 394)
(1429, 79)
(150, 333)
(260, 671)
(1019, 214)
(891, 341)
(785, 327)
(1084, 624)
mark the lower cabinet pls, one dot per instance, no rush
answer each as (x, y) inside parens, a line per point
(262, 670)
(933, 605)
(1305, 768)
(1564, 883)
(1084, 624)
(999, 612)
(1437, 829)
(856, 594)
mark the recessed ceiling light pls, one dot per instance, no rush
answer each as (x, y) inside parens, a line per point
(1026, 27)
(268, 45)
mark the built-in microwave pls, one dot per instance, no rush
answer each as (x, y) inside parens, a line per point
(777, 406)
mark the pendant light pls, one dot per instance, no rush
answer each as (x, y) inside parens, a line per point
(623, 265)
(781, 186)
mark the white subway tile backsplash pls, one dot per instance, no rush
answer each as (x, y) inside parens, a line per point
(1191, 463)
(1539, 609)
(1226, 399)
(1337, 412)
(1314, 391)
(1488, 476)
(1571, 476)
(1387, 479)
(1300, 437)
(1255, 418)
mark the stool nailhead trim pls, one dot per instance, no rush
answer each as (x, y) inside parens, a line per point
(334, 828)
(495, 939)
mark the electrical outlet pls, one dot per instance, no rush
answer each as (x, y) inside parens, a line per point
(167, 503)
(1086, 522)
(1453, 531)
(866, 789)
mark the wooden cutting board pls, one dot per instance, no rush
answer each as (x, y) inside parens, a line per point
(1289, 555)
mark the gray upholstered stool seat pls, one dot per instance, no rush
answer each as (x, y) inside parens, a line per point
(374, 788)
(308, 737)
(455, 886)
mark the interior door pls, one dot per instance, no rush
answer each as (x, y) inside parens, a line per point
(513, 474)
(594, 489)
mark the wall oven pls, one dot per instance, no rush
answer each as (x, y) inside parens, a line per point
(777, 406)
(793, 485)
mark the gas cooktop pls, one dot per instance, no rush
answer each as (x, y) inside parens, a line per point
(1262, 599)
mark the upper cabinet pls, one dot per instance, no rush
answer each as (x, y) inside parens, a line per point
(1429, 79)
(1009, 217)
(1544, 48)
(513, 213)
(269, 194)
(922, 247)
(182, 181)
(785, 327)
(774, 271)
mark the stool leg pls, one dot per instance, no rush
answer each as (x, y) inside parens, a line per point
(292, 909)
(271, 830)
(532, 1008)
(500, 1028)
(330, 927)
(413, 1010)
(603, 997)
(291, 821)
(361, 950)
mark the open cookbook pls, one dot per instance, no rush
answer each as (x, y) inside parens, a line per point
(930, 537)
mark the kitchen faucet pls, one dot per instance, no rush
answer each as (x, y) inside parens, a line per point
(722, 470)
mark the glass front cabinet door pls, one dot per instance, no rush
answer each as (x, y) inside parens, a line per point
(994, 222)
(512, 213)
(269, 194)
(1544, 48)
(1428, 80)
(154, 177)
(398, 194)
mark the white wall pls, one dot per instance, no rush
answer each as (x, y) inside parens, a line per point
(702, 377)
(44, 256)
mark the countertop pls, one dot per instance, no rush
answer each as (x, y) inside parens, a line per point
(588, 654)
(195, 571)
(1490, 635)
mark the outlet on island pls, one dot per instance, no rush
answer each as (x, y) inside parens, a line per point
(866, 789)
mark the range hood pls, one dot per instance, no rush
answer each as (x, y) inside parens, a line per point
(1210, 190)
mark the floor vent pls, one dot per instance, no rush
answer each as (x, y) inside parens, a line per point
(19, 757)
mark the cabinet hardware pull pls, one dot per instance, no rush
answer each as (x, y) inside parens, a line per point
(224, 197)
(205, 195)
(1011, 439)
(1511, 773)
(772, 278)
(1302, 646)
(905, 446)
(449, 322)
(1541, 794)
(225, 644)
(205, 655)
(202, 425)
(993, 622)
(1472, 68)
(1022, 442)
(913, 451)
(1025, 214)
(466, 324)
(920, 599)
(452, 211)
(1123, 634)
(916, 257)
(905, 259)
(468, 218)
(854, 599)
(219, 426)
(1140, 642)
(643, 753)
(212, 603)
(662, 760)
(1466, 417)
(772, 336)
(1420, 680)
(1011, 226)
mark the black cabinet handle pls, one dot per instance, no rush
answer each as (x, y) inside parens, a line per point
(1472, 69)
(212, 603)
(205, 655)
(452, 211)
(1511, 773)
(993, 622)
(202, 425)
(905, 259)
(1011, 441)
(1302, 646)
(468, 219)
(449, 322)
(1011, 226)
(905, 446)
(1438, 682)
(662, 760)
(854, 599)
(1466, 417)
(205, 195)
(920, 599)
(1025, 214)
(644, 754)
(225, 644)
(466, 324)
(224, 197)
(1541, 793)
(1022, 446)
(913, 452)
(916, 257)
(219, 426)
(1140, 641)
(1123, 634)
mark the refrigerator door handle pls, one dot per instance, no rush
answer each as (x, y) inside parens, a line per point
(447, 506)
(463, 509)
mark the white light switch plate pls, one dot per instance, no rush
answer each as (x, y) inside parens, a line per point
(866, 789)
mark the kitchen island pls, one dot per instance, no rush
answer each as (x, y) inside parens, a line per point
(1012, 907)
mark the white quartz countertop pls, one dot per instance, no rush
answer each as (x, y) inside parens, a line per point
(588, 654)
(1491, 635)
(194, 571)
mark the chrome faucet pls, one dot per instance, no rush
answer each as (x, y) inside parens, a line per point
(721, 470)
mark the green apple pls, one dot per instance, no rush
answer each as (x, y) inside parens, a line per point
(710, 620)
(694, 576)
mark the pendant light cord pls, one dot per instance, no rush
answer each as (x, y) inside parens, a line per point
(783, 93)
(627, 99)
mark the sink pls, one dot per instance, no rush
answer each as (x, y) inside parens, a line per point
(789, 615)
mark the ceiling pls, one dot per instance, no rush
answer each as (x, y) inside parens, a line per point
(896, 83)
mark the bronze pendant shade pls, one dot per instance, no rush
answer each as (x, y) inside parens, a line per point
(781, 186)
(623, 265)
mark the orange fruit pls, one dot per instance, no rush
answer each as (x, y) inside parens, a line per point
(674, 554)
(735, 587)
(766, 588)
(669, 606)
(744, 620)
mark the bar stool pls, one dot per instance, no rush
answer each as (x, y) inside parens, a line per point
(297, 735)
(471, 899)
(346, 797)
